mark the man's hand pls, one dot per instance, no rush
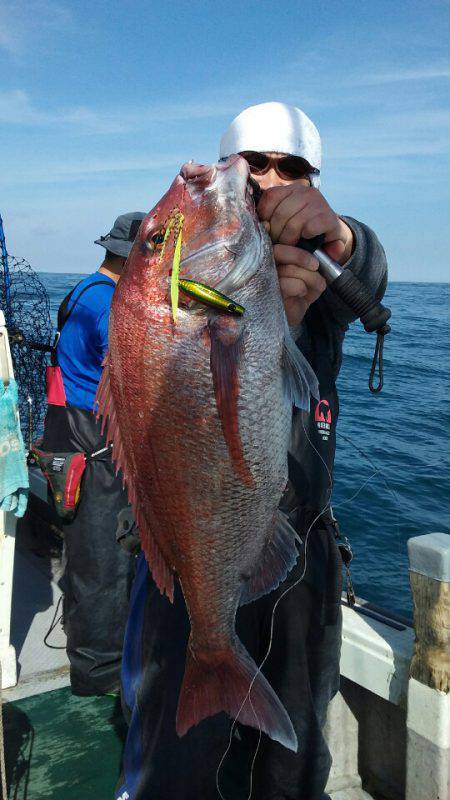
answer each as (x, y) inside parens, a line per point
(292, 212)
(300, 283)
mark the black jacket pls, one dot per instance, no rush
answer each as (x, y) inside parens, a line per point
(320, 338)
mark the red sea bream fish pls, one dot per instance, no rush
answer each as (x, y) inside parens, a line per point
(199, 411)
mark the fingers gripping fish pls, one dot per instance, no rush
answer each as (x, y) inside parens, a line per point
(199, 409)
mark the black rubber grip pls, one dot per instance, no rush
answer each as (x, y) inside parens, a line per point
(349, 288)
(312, 244)
(373, 315)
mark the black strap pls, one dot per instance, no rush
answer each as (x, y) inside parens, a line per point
(377, 360)
(64, 314)
(346, 552)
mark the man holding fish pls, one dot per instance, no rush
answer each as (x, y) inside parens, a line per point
(230, 491)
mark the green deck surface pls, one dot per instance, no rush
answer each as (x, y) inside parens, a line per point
(61, 747)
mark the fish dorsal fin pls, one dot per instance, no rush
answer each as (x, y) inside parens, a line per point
(161, 572)
(275, 563)
(227, 345)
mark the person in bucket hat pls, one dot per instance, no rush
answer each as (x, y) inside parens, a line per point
(98, 571)
(119, 240)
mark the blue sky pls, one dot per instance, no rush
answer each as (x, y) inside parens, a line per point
(100, 103)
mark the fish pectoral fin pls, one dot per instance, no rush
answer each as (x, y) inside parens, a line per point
(300, 381)
(227, 346)
(275, 563)
(232, 684)
(104, 401)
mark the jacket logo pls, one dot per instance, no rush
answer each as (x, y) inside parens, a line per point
(322, 416)
(124, 796)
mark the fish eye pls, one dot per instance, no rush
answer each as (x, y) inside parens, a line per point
(156, 241)
(158, 238)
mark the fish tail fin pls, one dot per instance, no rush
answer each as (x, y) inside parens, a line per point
(223, 684)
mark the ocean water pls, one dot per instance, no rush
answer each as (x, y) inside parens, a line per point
(392, 469)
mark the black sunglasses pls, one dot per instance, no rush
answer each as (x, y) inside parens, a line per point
(289, 167)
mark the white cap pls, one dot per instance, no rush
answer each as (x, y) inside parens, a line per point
(274, 128)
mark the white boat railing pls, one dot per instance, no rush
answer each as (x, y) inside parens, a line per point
(389, 727)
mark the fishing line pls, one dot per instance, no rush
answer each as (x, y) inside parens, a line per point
(380, 472)
(372, 464)
(349, 499)
(272, 620)
(400, 546)
(52, 627)
(255, 753)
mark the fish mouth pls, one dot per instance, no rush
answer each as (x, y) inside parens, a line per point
(192, 171)
(199, 178)
(204, 173)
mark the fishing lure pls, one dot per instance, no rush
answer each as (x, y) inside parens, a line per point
(198, 291)
(175, 224)
(211, 297)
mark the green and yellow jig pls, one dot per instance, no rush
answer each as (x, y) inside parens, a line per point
(174, 224)
(211, 297)
(198, 291)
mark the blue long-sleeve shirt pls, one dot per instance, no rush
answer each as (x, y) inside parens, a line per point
(84, 340)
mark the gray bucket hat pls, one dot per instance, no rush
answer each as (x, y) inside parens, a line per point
(123, 233)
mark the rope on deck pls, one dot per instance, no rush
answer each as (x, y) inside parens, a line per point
(2, 745)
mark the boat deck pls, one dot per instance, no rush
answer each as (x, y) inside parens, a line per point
(37, 570)
(56, 745)
(59, 746)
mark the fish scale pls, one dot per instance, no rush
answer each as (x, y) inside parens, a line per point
(199, 410)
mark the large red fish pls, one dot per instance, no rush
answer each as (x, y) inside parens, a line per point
(200, 415)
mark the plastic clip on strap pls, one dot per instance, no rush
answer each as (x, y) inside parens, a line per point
(347, 556)
(346, 552)
(348, 287)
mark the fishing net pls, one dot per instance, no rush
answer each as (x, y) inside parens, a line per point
(25, 304)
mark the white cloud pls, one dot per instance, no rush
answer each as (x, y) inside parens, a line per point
(422, 133)
(26, 22)
(401, 75)
(52, 173)
(16, 108)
